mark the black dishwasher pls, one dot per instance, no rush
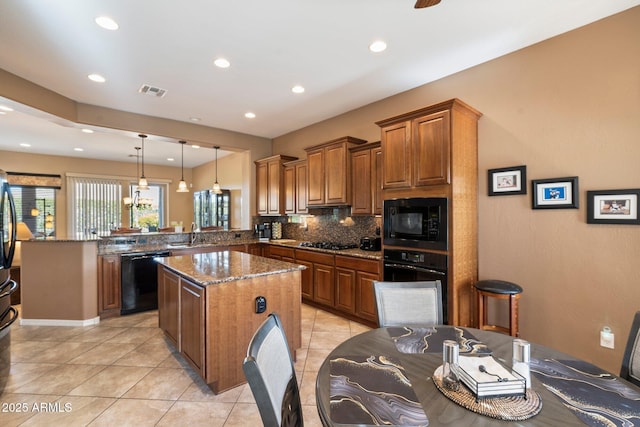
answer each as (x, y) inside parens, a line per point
(139, 281)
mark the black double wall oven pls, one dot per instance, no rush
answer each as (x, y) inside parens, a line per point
(421, 225)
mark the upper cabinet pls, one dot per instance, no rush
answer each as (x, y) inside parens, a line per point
(417, 146)
(270, 194)
(329, 172)
(295, 187)
(366, 179)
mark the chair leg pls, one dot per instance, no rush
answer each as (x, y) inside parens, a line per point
(482, 317)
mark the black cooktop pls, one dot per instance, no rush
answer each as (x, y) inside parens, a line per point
(328, 245)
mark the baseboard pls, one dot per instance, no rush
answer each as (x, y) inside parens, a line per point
(59, 322)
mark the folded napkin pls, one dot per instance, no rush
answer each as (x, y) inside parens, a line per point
(374, 391)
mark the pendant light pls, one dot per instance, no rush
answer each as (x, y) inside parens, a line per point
(216, 186)
(142, 182)
(182, 185)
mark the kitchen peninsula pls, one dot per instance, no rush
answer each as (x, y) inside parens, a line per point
(210, 304)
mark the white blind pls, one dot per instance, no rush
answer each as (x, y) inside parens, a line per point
(95, 205)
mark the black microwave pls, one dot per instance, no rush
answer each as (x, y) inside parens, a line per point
(416, 223)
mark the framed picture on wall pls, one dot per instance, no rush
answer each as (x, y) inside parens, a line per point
(507, 181)
(613, 207)
(555, 193)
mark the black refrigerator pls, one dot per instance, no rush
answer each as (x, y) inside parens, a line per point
(8, 314)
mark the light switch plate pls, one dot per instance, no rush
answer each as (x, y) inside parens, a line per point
(606, 339)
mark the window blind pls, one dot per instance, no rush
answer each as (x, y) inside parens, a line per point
(95, 205)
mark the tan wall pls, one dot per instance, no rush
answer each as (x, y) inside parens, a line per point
(569, 106)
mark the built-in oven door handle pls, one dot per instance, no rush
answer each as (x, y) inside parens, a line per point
(414, 268)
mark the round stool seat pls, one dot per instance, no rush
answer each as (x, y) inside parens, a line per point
(498, 287)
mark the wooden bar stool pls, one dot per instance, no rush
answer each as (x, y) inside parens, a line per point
(502, 290)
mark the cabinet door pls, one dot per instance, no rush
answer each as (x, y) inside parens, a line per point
(361, 174)
(396, 160)
(192, 324)
(346, 290)
(336, 183)
(306, 279)
(290, 189)
(315, 170)
(376, 180)
(255, 249)
(323, 291)
(109, 284)
(168, 303)
(431, 149)
(365, 295)
(274, 196)
(262, 189)
(301, 188)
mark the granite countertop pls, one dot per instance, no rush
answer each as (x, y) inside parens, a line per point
(219, 267)
(355, 252)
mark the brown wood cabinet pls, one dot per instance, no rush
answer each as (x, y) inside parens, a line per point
(270, 195)
(336, 283)
(329, 172)
(366, 174)
(295, 187)
(354, 286)
(169, 299)
(109, 302)
(192, 315)
(433, 152)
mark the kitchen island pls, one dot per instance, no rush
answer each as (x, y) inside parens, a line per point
(209, 308)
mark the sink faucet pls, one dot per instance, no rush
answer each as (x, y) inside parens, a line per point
(192, 234)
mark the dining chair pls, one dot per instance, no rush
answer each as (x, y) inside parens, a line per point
(630, 370)
(269, 370)
(409, 303)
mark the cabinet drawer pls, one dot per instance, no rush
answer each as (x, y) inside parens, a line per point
(358, 264)
(315, 257)
(280, 251)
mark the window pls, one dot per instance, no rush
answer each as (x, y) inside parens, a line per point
(95, 205)
(148, 206)
(36, 207)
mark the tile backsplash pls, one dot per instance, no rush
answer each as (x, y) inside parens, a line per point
(332, 225)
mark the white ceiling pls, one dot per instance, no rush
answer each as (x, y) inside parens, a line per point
(272, 46)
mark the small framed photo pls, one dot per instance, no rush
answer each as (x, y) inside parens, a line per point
(508, 181)
(555, 193)
(613, 207)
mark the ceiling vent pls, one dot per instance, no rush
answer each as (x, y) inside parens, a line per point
(153, 91)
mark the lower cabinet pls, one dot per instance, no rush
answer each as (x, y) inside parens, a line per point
(192, 307)
(169, 298)
(338, 283)
(109, 302)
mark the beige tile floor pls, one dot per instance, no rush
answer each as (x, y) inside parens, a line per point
(122, 372)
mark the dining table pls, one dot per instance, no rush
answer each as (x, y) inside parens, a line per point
(389, 376)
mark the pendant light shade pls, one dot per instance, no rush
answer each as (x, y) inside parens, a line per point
(182, 185)
(216, 187)
(142, 182)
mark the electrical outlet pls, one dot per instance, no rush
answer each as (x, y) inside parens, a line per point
(606, 338)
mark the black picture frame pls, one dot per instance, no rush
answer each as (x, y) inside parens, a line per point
(555, 193)
(613, 206)
(507, 181)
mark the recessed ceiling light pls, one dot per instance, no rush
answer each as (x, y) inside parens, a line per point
(195, 119)
(24, 144)
(195, 146)
(5, 108)
(377, 46)
(107, 23)
(78, 149)
(222, 63)
(297, 89)
(85, 130)
(250, 115)
(170, 159)
(96, 78)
